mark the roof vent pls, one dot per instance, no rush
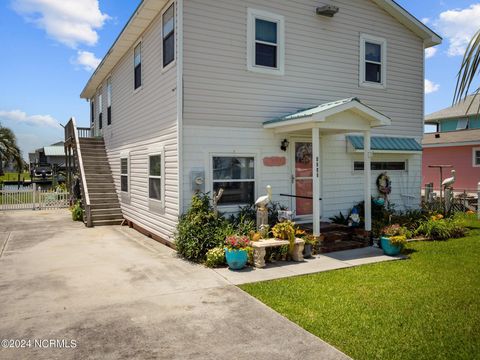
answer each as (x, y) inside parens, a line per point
(437, 136)
(327, 10)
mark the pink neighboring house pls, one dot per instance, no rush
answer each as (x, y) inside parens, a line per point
(456, 143)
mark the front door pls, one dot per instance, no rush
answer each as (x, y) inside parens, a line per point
(302, 180)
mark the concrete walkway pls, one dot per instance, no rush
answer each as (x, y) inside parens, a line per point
(120, 295)
(318, 263)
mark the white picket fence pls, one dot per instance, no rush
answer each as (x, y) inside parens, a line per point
(32, 198)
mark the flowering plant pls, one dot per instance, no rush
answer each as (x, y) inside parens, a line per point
(236, 242)
(394, 230)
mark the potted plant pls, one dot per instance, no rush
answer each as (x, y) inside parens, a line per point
(310, 242)
(236, 251)
(285, 231)
(394, 239)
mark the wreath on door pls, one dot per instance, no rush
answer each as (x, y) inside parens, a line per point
(384, 184)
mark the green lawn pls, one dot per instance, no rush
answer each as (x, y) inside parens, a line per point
(14, 176)
(426, 307)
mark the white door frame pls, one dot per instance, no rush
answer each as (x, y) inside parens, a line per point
(293, 140)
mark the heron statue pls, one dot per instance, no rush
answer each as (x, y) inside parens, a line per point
(262, 211)
(447, 183)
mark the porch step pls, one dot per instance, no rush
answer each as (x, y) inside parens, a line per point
(98, 217)
(336, 236)
(105, 205)
(107, 222)
(342, 245)
(103, 211)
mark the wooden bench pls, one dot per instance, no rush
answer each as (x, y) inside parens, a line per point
(260, 249)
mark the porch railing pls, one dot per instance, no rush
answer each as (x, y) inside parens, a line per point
(72, 138)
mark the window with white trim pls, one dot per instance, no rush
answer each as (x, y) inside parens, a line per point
(155, 172)
(381, 165)
(476, 157)
(168, 34)
(124, 174)
(92, 111)
(265, 42)
(100, 108)
(236, 176)
(109, 101)
(373, 61)
(137, 66)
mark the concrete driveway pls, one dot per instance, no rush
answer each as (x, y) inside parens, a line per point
(112, 293)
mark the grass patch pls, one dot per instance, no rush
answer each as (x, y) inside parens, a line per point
(9, 176)
(427, 307)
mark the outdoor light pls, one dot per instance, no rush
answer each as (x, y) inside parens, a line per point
(284, 145)
(327, 10)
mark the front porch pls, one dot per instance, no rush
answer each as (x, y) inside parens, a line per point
(346, 116)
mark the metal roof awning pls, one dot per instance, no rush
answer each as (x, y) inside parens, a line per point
(54, 151)
(385, 144)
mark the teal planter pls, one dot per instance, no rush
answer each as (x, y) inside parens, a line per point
(388, 248)
(236, 259)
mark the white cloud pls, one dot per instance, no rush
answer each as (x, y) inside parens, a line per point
(19, 116)
(87, 59)
(430, 52)
(459, 26)
(70, 22)
(431, 87)
(426, 20)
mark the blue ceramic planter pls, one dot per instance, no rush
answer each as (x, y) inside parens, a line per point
(388, 248)
(236, 259)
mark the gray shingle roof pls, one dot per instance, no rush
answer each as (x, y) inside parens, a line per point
(461, 136)
(459, 110)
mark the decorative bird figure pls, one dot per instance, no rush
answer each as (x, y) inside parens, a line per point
(264, 200)
(447, 183)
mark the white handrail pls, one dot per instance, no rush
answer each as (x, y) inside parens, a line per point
(82, 173)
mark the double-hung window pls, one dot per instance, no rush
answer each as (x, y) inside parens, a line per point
(155, 177)
(373, 61)
(168, 34)
(124, 174)
(92, 111)
(381, 165)
(137, 65)
(476, 157)
(109, 101)
(100, 108)
(266, 42)
(236, 176)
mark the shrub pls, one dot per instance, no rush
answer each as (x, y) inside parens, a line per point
(215, 257)
(339, 219)
(438, 228)
(200, 229)
(285, 231)
(77, 211)
(394, 230)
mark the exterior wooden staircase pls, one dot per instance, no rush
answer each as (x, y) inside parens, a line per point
(99, 197)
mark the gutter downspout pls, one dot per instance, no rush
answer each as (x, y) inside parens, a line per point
(180, 103)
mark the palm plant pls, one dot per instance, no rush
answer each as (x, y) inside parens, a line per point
(9, 150)
(469, 71)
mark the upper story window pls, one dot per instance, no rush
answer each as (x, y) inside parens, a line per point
(236, 176)
(462, 124)
(168, 34)
(476, 157)
(137, 64)
(109, 101)
(373, 61)
(265, 42)
(92, 111)
(100, 108)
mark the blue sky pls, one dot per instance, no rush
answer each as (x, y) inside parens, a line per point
(50, 48)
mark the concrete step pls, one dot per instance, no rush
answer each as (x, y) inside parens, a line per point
(107, 222)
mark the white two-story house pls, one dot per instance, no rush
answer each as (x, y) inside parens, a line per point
(315, 98)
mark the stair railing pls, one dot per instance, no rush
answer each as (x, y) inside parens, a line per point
(73, 135)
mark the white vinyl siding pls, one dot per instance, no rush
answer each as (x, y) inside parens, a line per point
(321, 64)
(373, 61)
(142, 122)
(265, 42)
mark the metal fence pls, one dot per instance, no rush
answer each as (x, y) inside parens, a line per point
(33, 198)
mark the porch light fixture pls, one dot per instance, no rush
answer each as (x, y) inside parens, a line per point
(327, 10)
(284, 144)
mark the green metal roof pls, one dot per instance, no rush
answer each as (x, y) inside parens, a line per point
(317, 109)
(379, 143)
(54, 151)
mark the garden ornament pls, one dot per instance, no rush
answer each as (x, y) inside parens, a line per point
(262, 211)
(447, 183)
